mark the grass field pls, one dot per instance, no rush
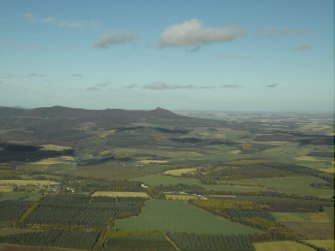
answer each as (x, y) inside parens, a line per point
(161, 153)
(298, 184)
(281, 245)
(114, 171)
(327, 244)
(20, 196)
(291, 185)
(9, 231)
(179, 196)
(6, 189)
(301, 217)
(180, 172)
(179, 216)
(312, 230)
(26, 182)
(330, 212)
(329, 169)
(120, 194)
(156, 180)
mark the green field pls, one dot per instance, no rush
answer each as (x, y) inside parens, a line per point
(330, 211)
(114, 171)
(301, 217)
(327, 244)
(298, 184)
(20, 195)
(281, 245)
(313, 230)
(179, 216)
(156, 180)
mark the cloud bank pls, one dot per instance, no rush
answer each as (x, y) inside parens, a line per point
(276, 33)
(303, 47)
(161, 86)
(75, 24)
(98, 87)
(108, 39)
(230, 86)
(193, 33)
(272, 85)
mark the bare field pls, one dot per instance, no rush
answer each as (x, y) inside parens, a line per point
(54, 147)
(120, 194)
(152, 161)
(180, 197)
(180, 172)
(54, 161)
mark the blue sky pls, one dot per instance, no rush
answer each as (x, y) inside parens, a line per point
(232, 55)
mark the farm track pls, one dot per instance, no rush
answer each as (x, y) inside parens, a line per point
(172, 242)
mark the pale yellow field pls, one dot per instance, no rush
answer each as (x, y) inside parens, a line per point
(53, 161)
(179, 172)
(329, 170)
(318, 217)
(152, 161)
(54, 147)
(281, 245)
(327, 244)
(179, 197)
(306, 158)
(26, 182)
(6, 189)
(120, 194)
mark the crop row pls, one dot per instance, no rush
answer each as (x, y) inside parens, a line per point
(200, 242)
(11, 210)
(54, 238)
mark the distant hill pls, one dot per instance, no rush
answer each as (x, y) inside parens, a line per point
(66, 112)
(72, 126)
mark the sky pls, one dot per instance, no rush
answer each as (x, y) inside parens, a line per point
(217, 55)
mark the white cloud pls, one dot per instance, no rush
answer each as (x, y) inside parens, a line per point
(193, 33)
(273, 32)
(112, 38)
(76, 24)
